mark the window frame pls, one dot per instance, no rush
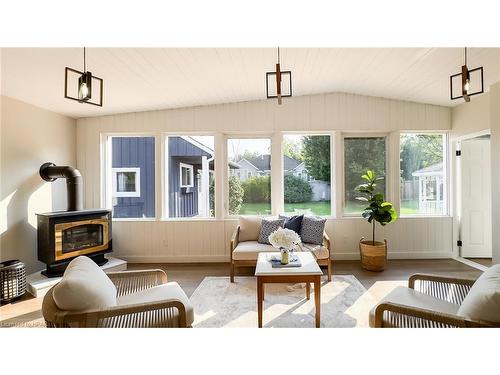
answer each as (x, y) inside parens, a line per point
(446, 172)
(106, 194)
(126, 194)
(333, 160)
(341, 160)
(163, 171)
(190, 168)
(226, 138)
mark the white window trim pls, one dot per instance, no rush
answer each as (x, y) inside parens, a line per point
(106, 168)
(190, 168)
(163, 193)
(126, 194)
(235, 135)
(389, 170)
(333, 159)
(447, 157)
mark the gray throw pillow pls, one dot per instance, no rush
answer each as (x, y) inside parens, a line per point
(312, 229)
(269, 226)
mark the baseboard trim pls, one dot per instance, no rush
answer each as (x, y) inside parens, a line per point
(225, 258)
(398, 255)
(175, 259)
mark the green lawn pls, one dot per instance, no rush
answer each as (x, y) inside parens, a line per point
(319, 208)
(356, 207)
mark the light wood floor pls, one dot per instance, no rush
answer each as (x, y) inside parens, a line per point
(26, 312)
(488, 262)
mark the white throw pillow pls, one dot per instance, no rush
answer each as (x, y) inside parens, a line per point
(84, 286)
(483, 300)
(250, 228)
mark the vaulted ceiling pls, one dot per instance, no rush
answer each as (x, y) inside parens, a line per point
(139, 79)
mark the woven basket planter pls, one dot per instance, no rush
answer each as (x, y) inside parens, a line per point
(373, 256)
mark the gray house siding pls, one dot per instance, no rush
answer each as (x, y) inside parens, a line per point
(183, 202)
(136, 152)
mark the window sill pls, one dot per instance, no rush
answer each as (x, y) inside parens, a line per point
(124, 219)
(188, 219)
(425, 216)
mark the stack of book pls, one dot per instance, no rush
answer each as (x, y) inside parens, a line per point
(293, 262)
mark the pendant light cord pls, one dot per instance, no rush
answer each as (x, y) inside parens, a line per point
(278, 55)
(84, 62)
(466, 56)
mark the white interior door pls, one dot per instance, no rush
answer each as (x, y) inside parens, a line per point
(475, 218)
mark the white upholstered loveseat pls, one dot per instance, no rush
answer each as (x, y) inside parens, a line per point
(245, 247)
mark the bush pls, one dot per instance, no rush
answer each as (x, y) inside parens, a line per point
(296, 189)
(257, 189)
(235, 195)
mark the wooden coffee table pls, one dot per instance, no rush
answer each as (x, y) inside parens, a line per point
(308, 273)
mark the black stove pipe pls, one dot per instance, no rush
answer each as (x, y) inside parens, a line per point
(74, 182)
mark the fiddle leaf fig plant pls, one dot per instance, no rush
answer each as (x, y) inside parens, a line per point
(378, 210)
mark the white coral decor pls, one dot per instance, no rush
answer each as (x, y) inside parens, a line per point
(285, 238)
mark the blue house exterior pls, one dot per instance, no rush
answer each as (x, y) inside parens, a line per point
(190, 170)
(134, 153)
(190, 197)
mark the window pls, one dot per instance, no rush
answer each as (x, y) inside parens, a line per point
(186, 175)
(423, 174)
(361, 154)
(306, 174)
(190, 194)
(132, 176)
(126, 182)
(249, 171)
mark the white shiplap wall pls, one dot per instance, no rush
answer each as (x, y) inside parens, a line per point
(208, 240)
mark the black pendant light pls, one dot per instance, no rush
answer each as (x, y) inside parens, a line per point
(283, 83)
(463, 80)
(85, 84)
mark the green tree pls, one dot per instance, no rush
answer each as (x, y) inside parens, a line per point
(235, 195)
(419, 151)
(361, 154)
(292, 149)
(316, 156)
(296, 189)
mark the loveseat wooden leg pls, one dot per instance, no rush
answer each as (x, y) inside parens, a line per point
(329, 269)
(231, 272)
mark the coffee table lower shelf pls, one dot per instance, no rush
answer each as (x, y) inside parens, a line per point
(296, 278)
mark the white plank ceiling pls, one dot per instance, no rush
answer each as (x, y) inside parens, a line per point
(139, 79)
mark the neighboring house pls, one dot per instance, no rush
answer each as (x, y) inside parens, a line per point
(261, 166)
(430, 188)
(133, 177)
(190, 165)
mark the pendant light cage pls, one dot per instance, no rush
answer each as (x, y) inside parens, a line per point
(467, 83)
(278, 82)
(82, 86)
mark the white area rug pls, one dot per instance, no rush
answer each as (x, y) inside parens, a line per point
(218, 303)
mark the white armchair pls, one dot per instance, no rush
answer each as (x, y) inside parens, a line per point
(141, 299)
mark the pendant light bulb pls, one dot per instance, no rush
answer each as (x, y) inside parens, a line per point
(467, 86)
(83, 91)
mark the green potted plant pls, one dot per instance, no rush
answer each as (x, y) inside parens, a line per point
(374, 253)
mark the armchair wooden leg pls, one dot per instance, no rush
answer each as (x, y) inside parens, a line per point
(329, 269)
(231, 272)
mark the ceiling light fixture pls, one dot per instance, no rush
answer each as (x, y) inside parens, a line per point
(86, 83)
(461, 83)
(283, 86)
